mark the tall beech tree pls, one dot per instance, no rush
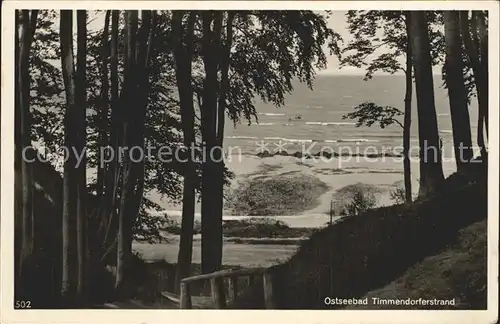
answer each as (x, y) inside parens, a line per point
(133, 102)
(282, 46)
(475, 37)
(47, 114)
(182, 44)
(482, 25)
(143, 105)
(457, 92)
(104, 112)
(362, 52)
(26, 244)
(110, 172)
(407, 113)
(431, 170)
(211, 214)
(70, 198)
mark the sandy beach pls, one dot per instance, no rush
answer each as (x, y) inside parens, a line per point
(385, 173)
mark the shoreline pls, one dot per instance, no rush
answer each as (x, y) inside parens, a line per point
(267, 251)
(386, 175)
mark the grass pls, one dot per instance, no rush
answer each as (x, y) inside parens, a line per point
(175, 228)
(459, 272)
(251, 228)
(361, 254)
(263, 228)
(266, 241)
(265, 169)
(278, 195)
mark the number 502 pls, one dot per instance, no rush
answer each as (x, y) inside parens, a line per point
(22, 304)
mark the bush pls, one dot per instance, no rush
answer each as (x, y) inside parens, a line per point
(262, 227)
(280, 195)
(354, 199)
(398, 196)
(249, 228)
(361, 201)
(174, 227)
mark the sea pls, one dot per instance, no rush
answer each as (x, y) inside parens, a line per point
(314, 117)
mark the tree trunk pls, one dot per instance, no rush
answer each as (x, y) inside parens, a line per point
(123, 251)
(407, 116)
(225, 52)
(17, 159)
(108, 222)
(69, 217)
(134, 102)
(457, 94)
(431, 171)
(103, 113)
(479, 77)
(211, 220)
(17, 112)
(80, 144)
(183, 55)
(27, 235)
(483, 52)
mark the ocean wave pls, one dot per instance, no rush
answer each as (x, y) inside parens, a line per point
(349, 140)
(265, 124)
(293, 140)
(242, 137)
(331, 123)
(272, 114)
(443, 114)
(446, 131)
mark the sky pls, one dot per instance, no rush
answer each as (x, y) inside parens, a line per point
(338, 23)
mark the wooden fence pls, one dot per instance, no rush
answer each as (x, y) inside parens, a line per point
(218, 292)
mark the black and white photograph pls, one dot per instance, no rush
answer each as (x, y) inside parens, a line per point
(330, 157)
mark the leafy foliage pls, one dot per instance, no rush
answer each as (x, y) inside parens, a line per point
(270, 49)
(374, 30)
(48, 107)
(468, 75)
(361, 201)
(369, 113)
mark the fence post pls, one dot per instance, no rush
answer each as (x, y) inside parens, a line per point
(218, 297)
(232, 288)
(267, 282)
(251, 280)
(331, 212)
(185, 296)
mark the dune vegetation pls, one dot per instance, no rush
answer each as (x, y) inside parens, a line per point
(276, 195)
(379, 247)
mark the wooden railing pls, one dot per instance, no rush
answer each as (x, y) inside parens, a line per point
(217, 286)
